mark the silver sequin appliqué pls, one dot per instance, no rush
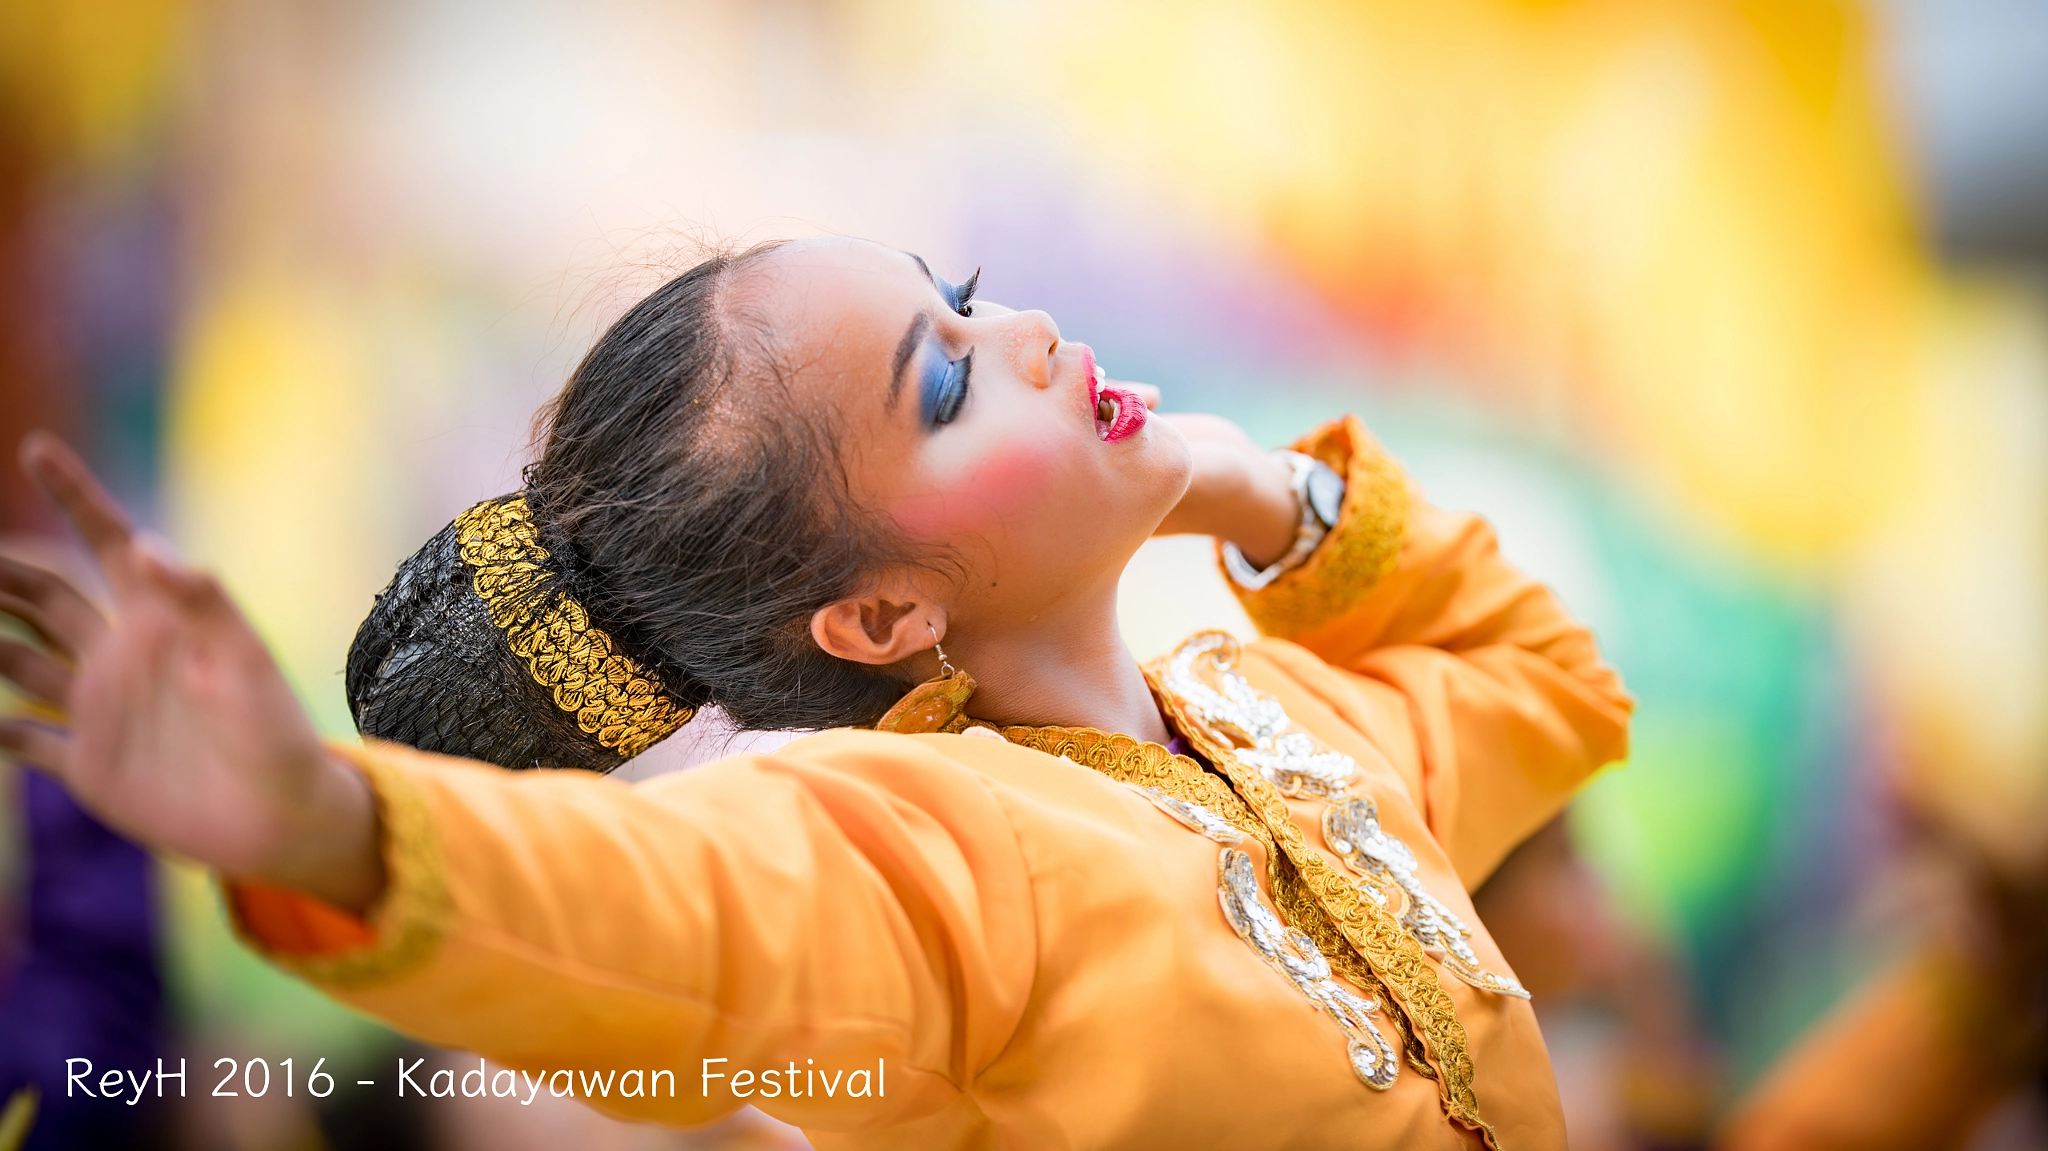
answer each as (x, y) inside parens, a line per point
(1192, 816)
(1353, 831)
(1299, 766)
(1294, 955)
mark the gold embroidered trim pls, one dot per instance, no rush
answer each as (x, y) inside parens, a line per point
(1353, 831)
(1348, 919)
(1199, 820)
(1200, 674)
(1359, 551)
(1297, 957)
(1142, 765)
(1364, 922)
(1259, 734)
(611, 695)
(413, 916)
(1166, 779)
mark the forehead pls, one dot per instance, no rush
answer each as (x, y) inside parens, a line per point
(835, 305)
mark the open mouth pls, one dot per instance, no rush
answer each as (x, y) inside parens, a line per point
(1118, 413)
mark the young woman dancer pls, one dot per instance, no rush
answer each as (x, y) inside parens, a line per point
(1018, 890)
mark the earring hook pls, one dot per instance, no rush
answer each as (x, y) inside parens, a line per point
(945, 665)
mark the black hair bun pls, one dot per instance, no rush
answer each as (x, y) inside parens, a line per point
(429, 669)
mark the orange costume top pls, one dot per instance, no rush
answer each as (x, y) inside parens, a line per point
(1056, 938)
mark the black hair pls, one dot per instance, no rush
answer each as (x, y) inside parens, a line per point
(701, 531)
(428, 668)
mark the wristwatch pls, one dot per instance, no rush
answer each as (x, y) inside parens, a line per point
(1320, 492)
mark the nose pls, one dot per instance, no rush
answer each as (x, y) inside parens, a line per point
(1032, 340)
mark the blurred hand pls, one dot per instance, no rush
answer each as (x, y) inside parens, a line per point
(65, 621)
(1240, 492)
(183, 734)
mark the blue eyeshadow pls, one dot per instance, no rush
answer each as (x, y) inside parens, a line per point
(941, 385)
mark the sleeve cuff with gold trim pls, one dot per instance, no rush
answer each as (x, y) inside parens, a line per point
(1356, 554)
(325, 945)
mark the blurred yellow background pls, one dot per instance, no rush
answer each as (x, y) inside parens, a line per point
(1726, 312)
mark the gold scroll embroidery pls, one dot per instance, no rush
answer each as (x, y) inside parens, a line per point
(1257, 728)
(1204, 803)
(1296, 956)
(1347, 918)
(1353, 831)
(1262, 737)
(1309, 882)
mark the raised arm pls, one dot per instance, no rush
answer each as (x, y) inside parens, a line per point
(1493, 701)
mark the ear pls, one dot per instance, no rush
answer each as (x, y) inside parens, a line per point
(884, 626)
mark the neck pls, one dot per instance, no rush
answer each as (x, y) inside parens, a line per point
(1068, 667)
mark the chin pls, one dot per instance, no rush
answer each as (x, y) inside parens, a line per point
(1148, 482)
(1166, 464)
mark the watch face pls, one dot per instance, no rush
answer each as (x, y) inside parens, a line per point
(1325, 493)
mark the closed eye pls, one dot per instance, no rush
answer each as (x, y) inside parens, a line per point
(943, 388)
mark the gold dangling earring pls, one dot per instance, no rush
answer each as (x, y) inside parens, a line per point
(936, 704)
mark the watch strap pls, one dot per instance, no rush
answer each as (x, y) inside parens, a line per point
(1319, 492)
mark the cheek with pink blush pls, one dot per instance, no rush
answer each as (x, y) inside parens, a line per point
(1000, 487)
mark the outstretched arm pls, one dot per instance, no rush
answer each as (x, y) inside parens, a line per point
(181, 733)
(857, 901)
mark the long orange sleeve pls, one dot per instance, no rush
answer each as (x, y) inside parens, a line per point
(1030, 953)
(873, 910)
(1492, 701)
(1034, 950)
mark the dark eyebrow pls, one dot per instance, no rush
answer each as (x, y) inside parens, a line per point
(906, 348)
(926, 269)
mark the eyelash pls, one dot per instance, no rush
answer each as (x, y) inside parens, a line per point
(963, 296)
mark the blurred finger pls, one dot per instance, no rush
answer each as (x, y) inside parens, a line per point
(70, 484)
(35, 744)
(30, 616)
(34, 672)
(1146, 392)
(196, 591)
(1201, 427)
(47, 602)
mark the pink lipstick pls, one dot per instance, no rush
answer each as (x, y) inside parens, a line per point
(1118, 413)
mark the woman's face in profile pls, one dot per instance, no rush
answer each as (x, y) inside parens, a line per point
(971, 427)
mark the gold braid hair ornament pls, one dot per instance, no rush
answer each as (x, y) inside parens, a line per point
(609, 693)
